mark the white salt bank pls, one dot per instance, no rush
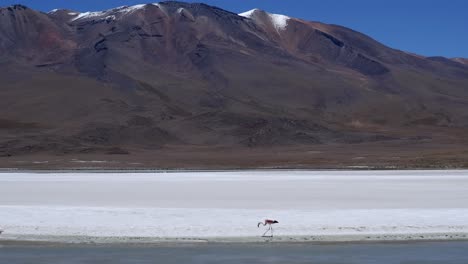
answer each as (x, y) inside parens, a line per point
(226, 206)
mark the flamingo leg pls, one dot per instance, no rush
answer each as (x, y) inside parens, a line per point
(270, 228)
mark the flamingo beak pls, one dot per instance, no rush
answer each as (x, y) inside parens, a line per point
(276, 222)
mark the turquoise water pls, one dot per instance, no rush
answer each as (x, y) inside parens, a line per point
(380, 253)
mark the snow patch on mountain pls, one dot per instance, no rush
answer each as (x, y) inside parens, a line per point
(279, 21)
(461, 60)
(88, 15)
(249, 13)
(132, 8)
(122, 10)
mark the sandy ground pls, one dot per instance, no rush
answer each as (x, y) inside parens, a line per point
(226, 206)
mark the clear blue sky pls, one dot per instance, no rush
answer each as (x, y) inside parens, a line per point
(427, 27)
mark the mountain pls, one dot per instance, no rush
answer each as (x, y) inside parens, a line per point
(175, 84)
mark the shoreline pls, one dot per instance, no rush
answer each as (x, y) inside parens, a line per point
(45, 240)
(154, 170)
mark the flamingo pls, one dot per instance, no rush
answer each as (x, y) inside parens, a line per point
(268, 222)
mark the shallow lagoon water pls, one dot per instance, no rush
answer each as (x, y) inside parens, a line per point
(454, 252)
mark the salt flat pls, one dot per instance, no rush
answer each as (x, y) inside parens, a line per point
(317, 205)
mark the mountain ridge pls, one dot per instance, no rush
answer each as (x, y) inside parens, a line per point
(172, 75)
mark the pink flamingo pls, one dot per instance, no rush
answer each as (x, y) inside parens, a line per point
(270, 228)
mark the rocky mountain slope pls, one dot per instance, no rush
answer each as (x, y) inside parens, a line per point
(174, 77)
